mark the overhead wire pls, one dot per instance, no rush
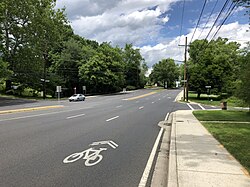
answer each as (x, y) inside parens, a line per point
(227, 15)
(212, 11)
(203, 7)
(217, 18)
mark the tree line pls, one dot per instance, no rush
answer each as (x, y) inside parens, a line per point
(39, 50)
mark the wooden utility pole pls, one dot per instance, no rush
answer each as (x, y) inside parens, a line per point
(185, 59)
(185, 93)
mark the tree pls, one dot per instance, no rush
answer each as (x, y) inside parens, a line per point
(4, 71)
(166, 71)
(103, 72)
(243, 88)
(133, 60)
(30, 30)
(212, 64)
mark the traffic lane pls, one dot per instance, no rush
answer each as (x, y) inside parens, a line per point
(38, 135)
(38, 155)
(56, 146)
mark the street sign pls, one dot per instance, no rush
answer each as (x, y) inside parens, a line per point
(84, 88)
(58, 89)
(207, 87)
(183, 80)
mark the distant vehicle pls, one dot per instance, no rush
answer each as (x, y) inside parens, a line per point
(77, 97)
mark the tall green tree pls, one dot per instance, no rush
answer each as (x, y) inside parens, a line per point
(243, 87)
(133, 60)
(103, 72)
(213, 64)
(30, 29)
(166, 71)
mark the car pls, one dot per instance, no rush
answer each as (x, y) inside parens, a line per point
(77, 97)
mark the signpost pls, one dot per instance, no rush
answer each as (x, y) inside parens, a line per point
(84, 90)
(208, 91)
(58, 90)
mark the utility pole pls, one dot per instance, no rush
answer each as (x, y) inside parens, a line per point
(185, 93)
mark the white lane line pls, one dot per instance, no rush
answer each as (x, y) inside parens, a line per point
(141, 107)
(159, 99)
(44, 114)
(147, 169)
(153, 102)
(112, 118)
(201, 107)
(119, 106)
(70, 117)
(169, 97)
(190, 106)
(166, 116)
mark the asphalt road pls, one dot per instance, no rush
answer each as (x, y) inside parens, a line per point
(35, 144)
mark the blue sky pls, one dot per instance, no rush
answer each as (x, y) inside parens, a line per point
(153, 26)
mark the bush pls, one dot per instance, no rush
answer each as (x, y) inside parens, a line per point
(130, 87)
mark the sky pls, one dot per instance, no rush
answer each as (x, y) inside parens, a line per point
(155, 27)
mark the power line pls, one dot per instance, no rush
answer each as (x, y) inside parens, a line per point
(182, 19)
(208, 18)
(224, 6)
(205, 2)
(229, 11)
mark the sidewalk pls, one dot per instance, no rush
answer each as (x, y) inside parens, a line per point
(197, 159)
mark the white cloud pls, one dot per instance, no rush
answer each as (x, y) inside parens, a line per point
(139, 22)
(153, 54)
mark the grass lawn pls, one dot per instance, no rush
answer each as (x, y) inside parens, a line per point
(222, 115)
(235, 137)
(215, 100)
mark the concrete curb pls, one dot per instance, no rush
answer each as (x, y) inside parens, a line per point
(172, 169)
(30, 109)
(160, 172)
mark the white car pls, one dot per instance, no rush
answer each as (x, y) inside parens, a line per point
(77, 97)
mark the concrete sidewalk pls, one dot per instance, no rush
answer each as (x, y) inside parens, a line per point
(198, 159)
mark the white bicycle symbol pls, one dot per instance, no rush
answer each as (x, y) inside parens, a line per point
(91, 155)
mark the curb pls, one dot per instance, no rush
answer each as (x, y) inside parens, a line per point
(160, 173)
(172, 169)
(30, 109)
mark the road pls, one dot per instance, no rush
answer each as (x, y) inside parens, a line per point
(35, 144)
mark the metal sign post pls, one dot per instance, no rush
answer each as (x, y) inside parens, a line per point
(84, 90)
(58, 90)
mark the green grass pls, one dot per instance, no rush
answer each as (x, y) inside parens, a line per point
(222, 115)
(235, 138)
(215, 100)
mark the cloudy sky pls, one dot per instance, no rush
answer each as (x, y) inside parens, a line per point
(154, 26)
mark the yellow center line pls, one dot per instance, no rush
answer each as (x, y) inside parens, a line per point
(30, 109)
(140, 96)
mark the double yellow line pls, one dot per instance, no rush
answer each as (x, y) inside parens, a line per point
(30, 109)
(140, 96)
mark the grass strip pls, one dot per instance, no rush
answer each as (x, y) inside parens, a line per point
(222, 115)
(235, 138)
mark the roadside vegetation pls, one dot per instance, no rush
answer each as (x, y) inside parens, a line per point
(234, 136)
(215, 100)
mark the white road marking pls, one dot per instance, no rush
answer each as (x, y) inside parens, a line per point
(137, 101)
(147, 169)
(109, 142)
(141, 107)
(166, 116)
(153, 102)
(169, 97)
(70, 117)
(112, 118)
(37, 115)
(159, 99)
(201, 107)
(190, 106)
(119, 106)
